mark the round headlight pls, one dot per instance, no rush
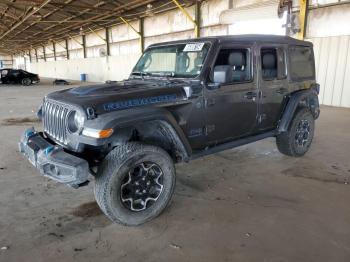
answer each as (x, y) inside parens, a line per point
(75, 121)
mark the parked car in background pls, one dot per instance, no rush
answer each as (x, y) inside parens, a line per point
(18, 76)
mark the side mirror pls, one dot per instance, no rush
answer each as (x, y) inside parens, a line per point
(221, 74)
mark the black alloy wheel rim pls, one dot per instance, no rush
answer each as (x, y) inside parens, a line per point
(142, 186)
(26, 81)
(302, 134)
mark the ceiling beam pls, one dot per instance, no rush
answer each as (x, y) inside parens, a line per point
(24, 18)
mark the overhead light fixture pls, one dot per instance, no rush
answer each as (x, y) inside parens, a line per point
(149, 10)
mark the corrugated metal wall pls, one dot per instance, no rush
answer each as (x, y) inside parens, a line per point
(328, 29)
(332, 55)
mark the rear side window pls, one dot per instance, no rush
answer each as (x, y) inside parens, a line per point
(301, 63)
(273, 64)
(14, 72)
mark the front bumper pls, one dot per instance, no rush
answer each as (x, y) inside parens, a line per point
(52, 160)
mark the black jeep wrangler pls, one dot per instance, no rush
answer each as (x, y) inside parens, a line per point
(183, 100)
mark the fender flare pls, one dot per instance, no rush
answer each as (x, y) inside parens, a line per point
(125, 120)
(306, 98)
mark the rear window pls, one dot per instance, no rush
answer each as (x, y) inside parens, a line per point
(301, 63)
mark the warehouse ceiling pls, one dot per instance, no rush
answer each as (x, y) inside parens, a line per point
(26, 24)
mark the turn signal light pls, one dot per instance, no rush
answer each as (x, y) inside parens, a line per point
(104, 133)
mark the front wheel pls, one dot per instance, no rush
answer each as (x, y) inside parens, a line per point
(135, 183)
(296, 141)
(26, 81)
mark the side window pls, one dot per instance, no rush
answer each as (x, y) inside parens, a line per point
(14, 73)
(233, 66)
(273, 63)
(301, 63)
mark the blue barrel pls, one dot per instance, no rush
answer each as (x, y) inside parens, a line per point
(83, 77)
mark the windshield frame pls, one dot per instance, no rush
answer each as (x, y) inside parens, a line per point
(145, 75)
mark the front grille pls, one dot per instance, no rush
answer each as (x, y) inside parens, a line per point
(55, 121)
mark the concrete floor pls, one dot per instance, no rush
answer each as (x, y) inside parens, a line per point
(246, 204)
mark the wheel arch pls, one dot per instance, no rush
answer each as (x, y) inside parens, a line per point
(304, 98)
(154, 126)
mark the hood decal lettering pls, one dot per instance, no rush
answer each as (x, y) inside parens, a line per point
(139, 102)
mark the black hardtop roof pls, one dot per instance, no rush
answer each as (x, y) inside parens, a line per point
(243, 38)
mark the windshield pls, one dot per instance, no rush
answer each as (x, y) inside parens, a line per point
(181, 60)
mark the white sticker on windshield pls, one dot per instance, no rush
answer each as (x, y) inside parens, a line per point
(194, 47)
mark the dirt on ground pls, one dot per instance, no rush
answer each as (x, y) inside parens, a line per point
(246, 204)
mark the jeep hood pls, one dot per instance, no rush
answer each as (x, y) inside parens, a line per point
(127, 94)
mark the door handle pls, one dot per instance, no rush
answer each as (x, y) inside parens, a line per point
(282, 90)
(250, 95)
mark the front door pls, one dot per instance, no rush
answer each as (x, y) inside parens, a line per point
(231, 109)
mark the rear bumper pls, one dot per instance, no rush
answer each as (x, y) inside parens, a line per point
(52, 160)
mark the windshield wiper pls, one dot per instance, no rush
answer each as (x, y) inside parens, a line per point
(142, 74)
(162, 74)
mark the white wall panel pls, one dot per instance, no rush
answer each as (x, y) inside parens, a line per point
(340, 67)
(345, 93)
(123, 32)
(332, 57)
(169, 37)
(211, 11)
(60, 46)
(97, 69)
(75, 42)
(92, 39)
(330, 21)
(332, 54)
(214, 30)
(173, 21)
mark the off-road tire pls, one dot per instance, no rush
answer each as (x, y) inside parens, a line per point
(286, 141)
(26, 81)
(112, 172)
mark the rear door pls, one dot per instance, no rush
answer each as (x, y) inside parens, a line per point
(231, 109)
(273, 84)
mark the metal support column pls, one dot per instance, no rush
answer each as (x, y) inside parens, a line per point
(303, 18)
(44, 53)
(142, 34)
(54, 50)
(84, 45)
(67, 50)
(198, 18)
(108, 48)
(36, 55)
(30, 56)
